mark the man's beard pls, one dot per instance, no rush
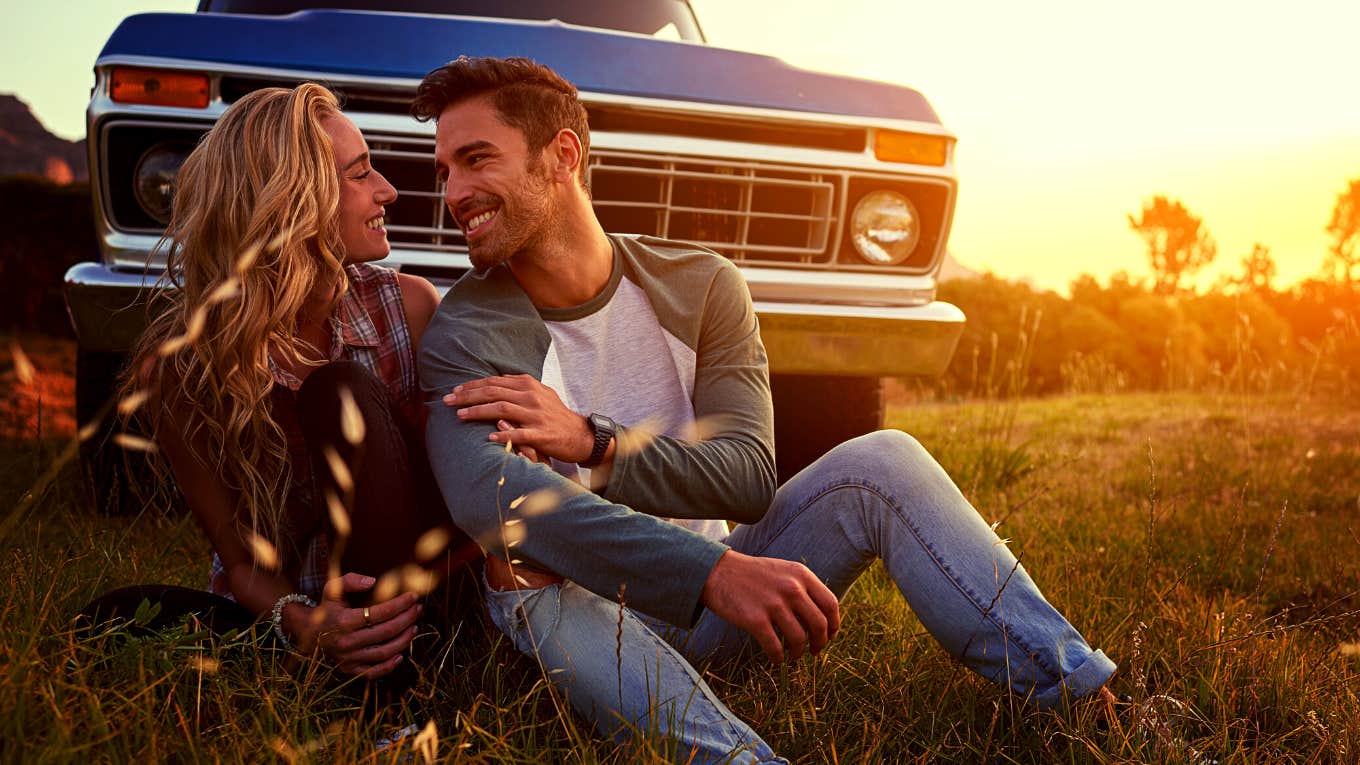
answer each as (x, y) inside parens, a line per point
(521, 230)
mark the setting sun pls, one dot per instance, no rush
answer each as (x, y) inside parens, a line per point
(1070, 114)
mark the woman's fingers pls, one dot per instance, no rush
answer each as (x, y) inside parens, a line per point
(381, 652)
(372, 671)
(379, 632)
(335, 589)
(353, 618)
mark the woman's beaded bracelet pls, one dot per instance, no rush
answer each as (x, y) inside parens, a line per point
(277, 617)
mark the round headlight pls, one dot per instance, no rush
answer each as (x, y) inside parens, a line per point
(885, 228)
(153, 182)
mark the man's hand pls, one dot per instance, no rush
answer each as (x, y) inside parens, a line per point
(370, 648)
(540, 421)
(770, 598)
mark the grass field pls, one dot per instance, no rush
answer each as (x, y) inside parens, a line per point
(1210, 544)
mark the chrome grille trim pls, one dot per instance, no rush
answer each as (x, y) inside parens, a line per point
(739, 195)
(756, 212)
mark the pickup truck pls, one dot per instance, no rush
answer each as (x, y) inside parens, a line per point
(833, 195)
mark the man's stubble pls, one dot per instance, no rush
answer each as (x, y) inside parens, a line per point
(528, 222)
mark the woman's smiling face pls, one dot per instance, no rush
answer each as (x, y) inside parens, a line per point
(363, 194)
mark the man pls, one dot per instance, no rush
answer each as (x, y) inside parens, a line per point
(633, 366)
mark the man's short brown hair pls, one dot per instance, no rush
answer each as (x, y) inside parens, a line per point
(527, 95)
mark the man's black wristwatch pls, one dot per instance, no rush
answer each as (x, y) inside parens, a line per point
(604, 433)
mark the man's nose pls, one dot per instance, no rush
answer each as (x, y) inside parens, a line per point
(455, 193)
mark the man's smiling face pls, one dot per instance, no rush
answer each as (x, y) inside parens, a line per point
(498, 190)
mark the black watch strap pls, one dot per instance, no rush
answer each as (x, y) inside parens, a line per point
(605, 430)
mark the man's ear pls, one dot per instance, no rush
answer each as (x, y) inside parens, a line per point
(566, 155)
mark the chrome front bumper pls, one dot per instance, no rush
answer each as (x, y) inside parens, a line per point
(108, 308)
(860, 341)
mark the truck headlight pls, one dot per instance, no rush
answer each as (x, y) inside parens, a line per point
(885, 227)
(153, 182)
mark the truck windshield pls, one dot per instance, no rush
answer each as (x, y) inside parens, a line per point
(672, 19)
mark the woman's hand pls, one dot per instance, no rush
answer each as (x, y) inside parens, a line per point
(369, 648)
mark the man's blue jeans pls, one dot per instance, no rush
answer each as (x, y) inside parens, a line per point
(877, 496)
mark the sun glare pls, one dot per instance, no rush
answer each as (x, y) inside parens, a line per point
(1070, 114)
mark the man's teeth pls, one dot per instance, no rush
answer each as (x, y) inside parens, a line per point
(375, 222)
(480, 219)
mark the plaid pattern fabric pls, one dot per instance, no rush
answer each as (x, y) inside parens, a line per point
(369, 326)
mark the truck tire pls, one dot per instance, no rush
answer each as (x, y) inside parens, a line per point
(812, 414)
(102, 464)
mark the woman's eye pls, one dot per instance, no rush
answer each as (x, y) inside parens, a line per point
(363, 175)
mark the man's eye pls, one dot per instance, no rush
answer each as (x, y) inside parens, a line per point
(476, 159)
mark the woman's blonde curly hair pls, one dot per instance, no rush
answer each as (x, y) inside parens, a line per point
(253, 239)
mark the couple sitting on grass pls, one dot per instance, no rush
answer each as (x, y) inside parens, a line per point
(322, 416)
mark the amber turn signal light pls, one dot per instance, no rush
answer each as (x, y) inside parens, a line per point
(912, 148)
(157, 87)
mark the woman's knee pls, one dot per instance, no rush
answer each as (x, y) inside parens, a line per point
(322, 387)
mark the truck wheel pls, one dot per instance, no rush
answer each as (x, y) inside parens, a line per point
(814, 413)
(102, 463)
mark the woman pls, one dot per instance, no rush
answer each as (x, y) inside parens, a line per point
(280, 386)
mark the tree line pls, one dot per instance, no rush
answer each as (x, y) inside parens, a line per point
(1129, 333)
(1124, 334)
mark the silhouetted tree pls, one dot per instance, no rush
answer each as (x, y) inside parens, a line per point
(1258, 270)
(1343, 256)
(1178, 243)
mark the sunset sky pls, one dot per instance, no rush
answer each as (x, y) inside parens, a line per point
(1069, 113)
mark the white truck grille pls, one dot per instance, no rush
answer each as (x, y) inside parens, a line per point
(749, 211)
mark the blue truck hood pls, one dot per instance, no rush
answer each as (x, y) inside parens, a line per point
(408, 46)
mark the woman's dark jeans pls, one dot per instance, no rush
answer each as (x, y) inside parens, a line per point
(393, 502)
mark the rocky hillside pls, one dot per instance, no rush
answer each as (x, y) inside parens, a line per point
(26, 148)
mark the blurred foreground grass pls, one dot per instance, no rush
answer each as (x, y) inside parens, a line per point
(1210, 544)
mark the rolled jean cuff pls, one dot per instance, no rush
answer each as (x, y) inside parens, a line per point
(1084, 680)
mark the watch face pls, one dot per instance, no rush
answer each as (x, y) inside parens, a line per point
(600, 423)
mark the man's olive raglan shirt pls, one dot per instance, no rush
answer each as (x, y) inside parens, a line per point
(669, 349)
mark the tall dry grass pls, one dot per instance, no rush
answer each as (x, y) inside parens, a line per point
(1206, 541)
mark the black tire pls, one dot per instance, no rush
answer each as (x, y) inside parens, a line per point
(102, 464)
(813, 414)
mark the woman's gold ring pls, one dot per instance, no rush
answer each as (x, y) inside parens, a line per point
(367, 622)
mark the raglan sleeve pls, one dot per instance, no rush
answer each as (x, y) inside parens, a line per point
(726, 470)
(517, 508)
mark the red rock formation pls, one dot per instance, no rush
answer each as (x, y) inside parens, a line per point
(26, 148)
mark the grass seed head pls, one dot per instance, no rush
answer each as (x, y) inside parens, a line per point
(535, 503)
(265, 554)
(427, 742)
(339, 518)
(339, 470)
(432, 543)
(418, 580)
(388, 586)
(225, 291)
(134, 443)
(351, 422)
(23, 368)
(132, 402)
(512, 534)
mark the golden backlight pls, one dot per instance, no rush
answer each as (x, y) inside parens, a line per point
(1069, 114)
